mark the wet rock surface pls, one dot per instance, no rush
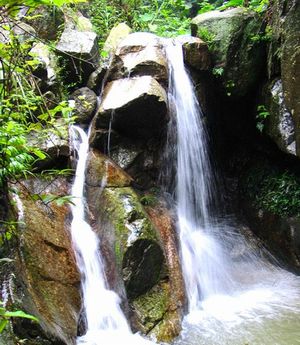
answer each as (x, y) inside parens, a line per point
(45, 263)
(140, 251)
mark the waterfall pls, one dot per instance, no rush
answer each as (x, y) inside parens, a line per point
(105, 322)
(236, 302)
(204, 265)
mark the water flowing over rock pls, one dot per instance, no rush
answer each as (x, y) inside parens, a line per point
(232, 46)
(139, 247)
(46, 266)
(140, 102)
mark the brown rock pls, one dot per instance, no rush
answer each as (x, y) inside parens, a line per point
(46, 262)
(101, 171)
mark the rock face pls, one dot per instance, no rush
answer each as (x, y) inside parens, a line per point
(46, 265)
(140, 102)
(284, 57)
(280, 126)
(144, 255)
(233, 45)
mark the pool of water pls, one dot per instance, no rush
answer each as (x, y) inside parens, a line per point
(265, 310)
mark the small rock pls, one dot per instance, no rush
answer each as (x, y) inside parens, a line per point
(85, 104)
(195, 52)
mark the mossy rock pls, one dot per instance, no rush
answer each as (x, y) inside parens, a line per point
(138, 253)
(45, 264)
(153, 314)
(234, 39)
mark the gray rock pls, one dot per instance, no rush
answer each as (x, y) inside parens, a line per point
(136, 107)
(280, 126)
(85, 104)
(55, 144)
(47, 66)
(80, 54)
(140, 54)
(234, 46)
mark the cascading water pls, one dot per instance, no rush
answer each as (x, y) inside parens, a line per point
(105, 322)
(236, 302)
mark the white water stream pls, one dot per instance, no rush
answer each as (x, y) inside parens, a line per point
(106, 323)
(234, 302)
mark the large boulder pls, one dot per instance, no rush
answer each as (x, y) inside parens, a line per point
(280, 124)
(139, 252)
(237, 53)
(79, 54)
(135, 107)
(140, 54)
(47, 271)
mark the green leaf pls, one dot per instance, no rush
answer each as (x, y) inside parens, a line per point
(3, 323)
(20, 313)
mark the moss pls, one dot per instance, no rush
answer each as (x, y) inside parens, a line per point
(273, 189)
(138, 253)
(151, 307)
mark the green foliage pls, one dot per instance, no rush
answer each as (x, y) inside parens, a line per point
(6, 315)
(148, 200)
(59, 200)
(258, 6)
(218, 71)
(230, 85)
(274, 190)
(163, 17)
(262, 115)
(35, 3)
(206, 6)
(231, 3)
(206, 36)
(23, 112)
